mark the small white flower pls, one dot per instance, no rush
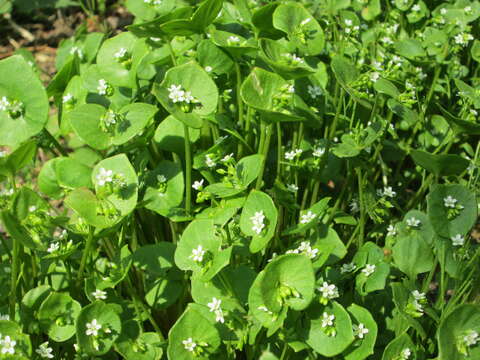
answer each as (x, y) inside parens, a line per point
(120, 53)
(208, 69)
(93, 328)
(292, 188)
(215, 307)
(104, 176)
(209, 161)
(387, 40)
(53, 247)
(467, 9)
(99, 294)
(306, 218)
(32, 208)
(348, 22)
(413, 222)
(264, 308)
(416, 8)
(197, 254)
(227, 157)
(76, 50)
(4, 317)
(471, 339)
(443, 11)
(44, 351)
(348, 268)
(188, 97)
(8, 345)
(368, 270)
(189, 344)
(374, 76)
(3, 154)
(307, 249)
(329, 291)
(463, 38)
(198, 185)
(417, 295)
(176, 94)
(450, 202)
(354, 207)
(294, 59)
(405, 354)
(327, 319)
(391, 230)
(4, 104)
(388, 192)
(161, 179)
(233, 39)
(458, 240)
(318, 152)
(360, 330)
(67, 98)
(102, 87)
(293, 154)
(257, 221)
(306, 21)
(314, 91)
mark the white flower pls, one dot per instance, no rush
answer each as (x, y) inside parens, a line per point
(189, 344)
(458, 240)
(413, 222)
(104, 176)
(215, 307)
(8, 345)
(227, 157)
(327, 319)
(306, 218)
(318, 152)
(443, 11)
(391, 230)
(233, 39)
(44, 351)
(354, 207)
(405, 354)
(387, 40)
(360, 330)
(120, 53)
(450, 202)
(307, 249)
(416, 8)
(102, 87)
(76, 50)
(209, 161)
(188, 98)
(4, 317)
(67, 98)
(257, 221)
(418, 296)
(348, 22)
(293, 154)
(53, 247)
(198, 185)
(347, 268)
(368, 269)
(467, 9)
(4, 104)
(374, 76)
(329, 291)
(463, 38)
(292, 188)
(92, 328)
(388, 192)
(294, 59)
(176, 94)
(208, 69)
(161, 178)
(197, 254)
(264, 308)
(306, 21)
(3, 154)
(99, 294)
(471, 339)
(32, 208)
(314, 91)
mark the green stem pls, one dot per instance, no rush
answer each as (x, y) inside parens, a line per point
(362, 206)
(86, 253)
(13, 279)
(188, 171)
(55, 143)
(264, 151)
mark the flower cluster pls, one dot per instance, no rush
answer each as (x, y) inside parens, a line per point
(452, 206)
(93, 329)
(307, 217)
(359, 330)
(7, 345)
(415, 306)
(306, 249)
(198, 254)
(13, 108)
(329, 292)
(44, 351)
(104, 88)
(293, 154)
(258, 222)
(328, 324)
(214, 307)
(184, 98)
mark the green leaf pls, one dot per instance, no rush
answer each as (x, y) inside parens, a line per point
(413, 255)
(449, 226)
(258, 201)
(302, 28)
(410, 48)
(386, 87)
(461, 321)
(163, 197)
(170, 133)
(394, 349)
(111, 327)
(18, 159)
(320, 342)
(192, 324)
(60, 81)
(57, 316)
(362, 348)
(23, 347)
(211, 55)
(21, 84)
(440, 164)
(191, 77)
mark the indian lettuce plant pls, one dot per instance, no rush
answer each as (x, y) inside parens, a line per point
(246, 180)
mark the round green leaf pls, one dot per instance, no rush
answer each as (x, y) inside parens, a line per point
(440, 164)
(110, 323)
(20, 83)
(362, 348)
(413, 255)
(258, 201)
(395, 348)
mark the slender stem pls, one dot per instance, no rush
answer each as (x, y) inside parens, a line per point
(13, 279)
(239, 98)
(172, 53)
(86, 253)
(264, 151)
(55, 143)
(279, 150)
(362, 206)
(188, 171)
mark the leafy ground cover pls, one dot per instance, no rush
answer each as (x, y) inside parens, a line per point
(245, 180)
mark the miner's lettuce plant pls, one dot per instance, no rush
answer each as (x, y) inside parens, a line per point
(246, 180)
